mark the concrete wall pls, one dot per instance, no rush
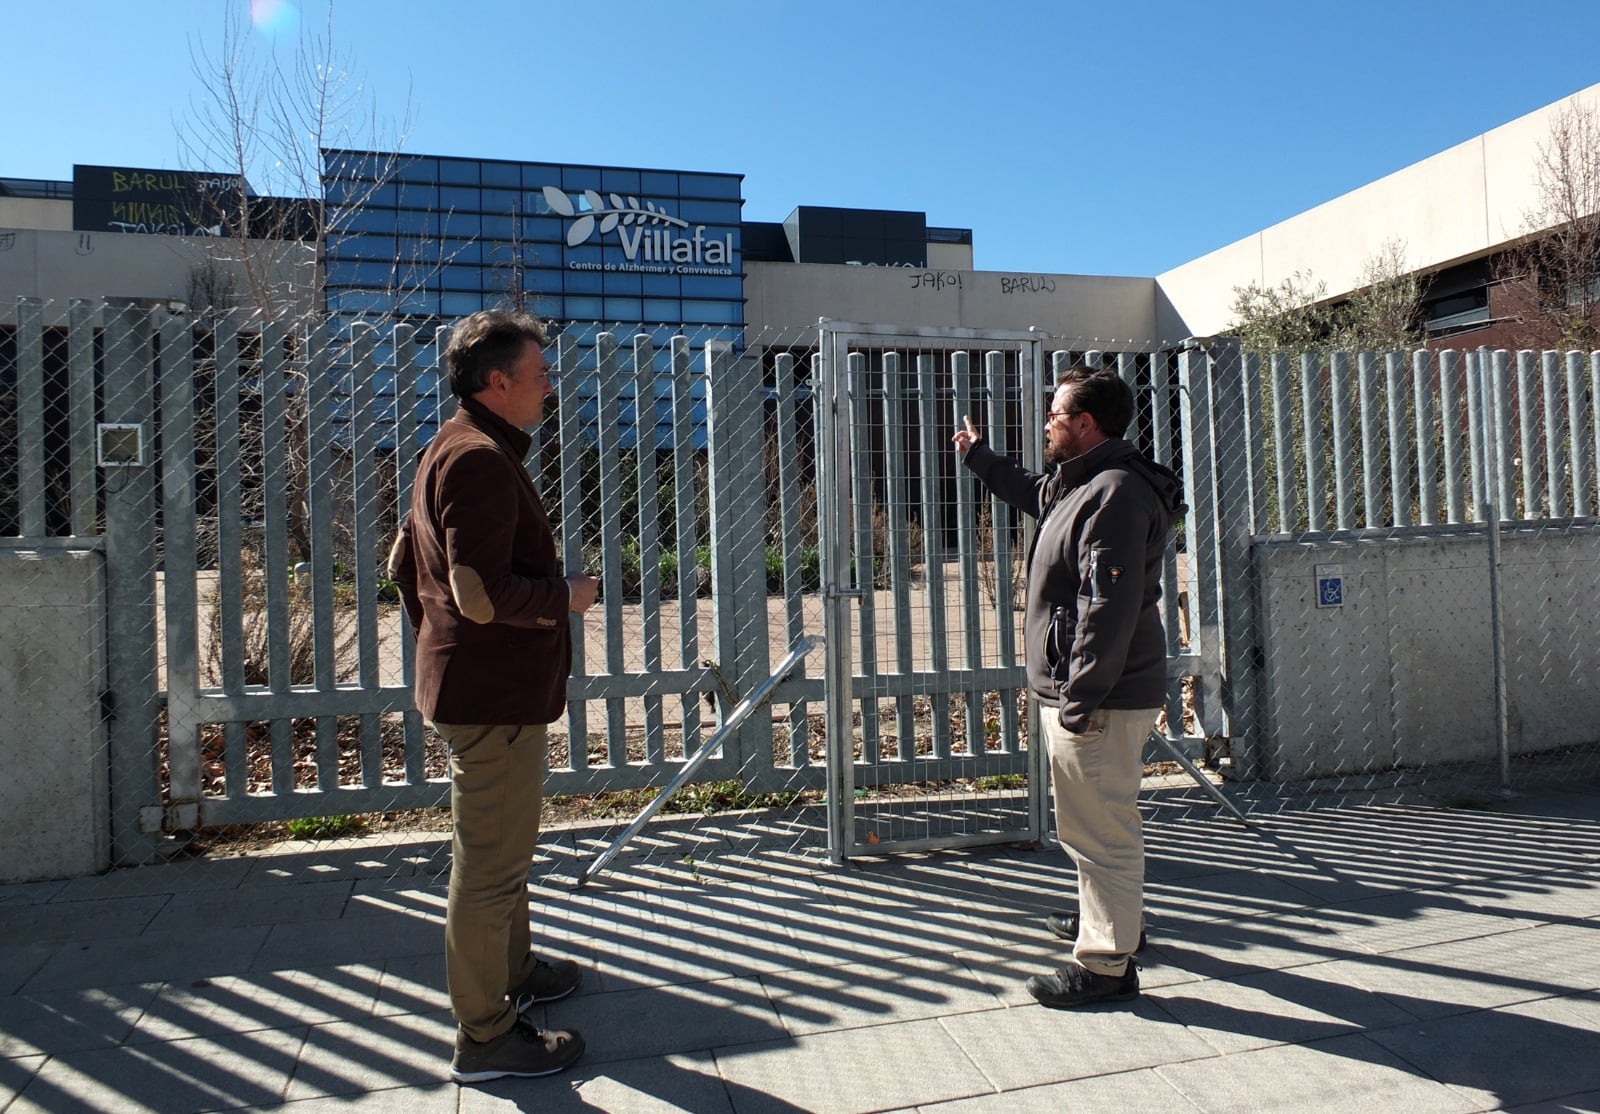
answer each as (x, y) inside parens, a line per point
(1460, 204)
(59, 266)
(1101, 312)
(1402, 674)
(35, 212)
(55, 795)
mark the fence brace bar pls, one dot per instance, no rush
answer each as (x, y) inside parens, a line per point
(762, 694)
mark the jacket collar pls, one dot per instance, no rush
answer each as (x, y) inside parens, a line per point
(473, 412)
(1071, 473)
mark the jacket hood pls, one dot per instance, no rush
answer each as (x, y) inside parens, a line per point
(1117, 453)
(1166, 483)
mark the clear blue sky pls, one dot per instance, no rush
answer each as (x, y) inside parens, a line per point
(1107, 138)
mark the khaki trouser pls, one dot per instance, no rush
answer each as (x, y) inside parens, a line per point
(1095, 780)
(496, 791)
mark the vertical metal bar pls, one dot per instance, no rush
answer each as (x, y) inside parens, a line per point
(229, 604)
(644, 442)
(413, 738)
(1128, 370)
(1311, 414)
(898, 509)
(1283, 445)
(1344, 479)
(1422, 390)
(1582, 447)
(1594, 404)
(1173, 616)
(1555, 437)
(834, 481)
(934, 543)
(30, 418)
(1450, 426)
(1527, 442)
(966, 545)
(1371, 468)
(363, 469)
(794, 622)
(686, 514)
(1002, 516)
(321, 493)
(178, 561)
(569, 411)
(608, 432)
(1199, 464)
(1246, 374)
(1498, 435)
(738, 532)
(1236, 414)
(1493, 515)
(752, 645)
(1399, 440)
(1477, 405)
(1030, 368)
(274, 563)
(80, 402)
(861, 422)
(130, 553)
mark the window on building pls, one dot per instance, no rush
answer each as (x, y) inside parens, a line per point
(1456, 312)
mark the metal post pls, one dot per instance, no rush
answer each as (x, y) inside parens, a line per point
(833, 484)
(1494, 490)
(136, 809)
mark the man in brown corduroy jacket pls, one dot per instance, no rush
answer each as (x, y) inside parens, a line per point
(477, 568)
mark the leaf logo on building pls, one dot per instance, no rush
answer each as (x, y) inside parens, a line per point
(622, 210)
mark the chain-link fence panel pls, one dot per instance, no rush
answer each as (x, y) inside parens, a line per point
(1417, 529)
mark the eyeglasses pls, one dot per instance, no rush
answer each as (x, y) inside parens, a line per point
(1051, 414)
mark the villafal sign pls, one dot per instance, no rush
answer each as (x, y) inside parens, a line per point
(652, 240)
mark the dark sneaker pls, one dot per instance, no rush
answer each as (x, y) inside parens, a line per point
(550, 982)
(522, 1050)
(1078, 986)
(1065, 925)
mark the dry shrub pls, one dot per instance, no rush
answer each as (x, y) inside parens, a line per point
(301, 635)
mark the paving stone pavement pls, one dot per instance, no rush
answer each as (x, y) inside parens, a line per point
(1363, 957)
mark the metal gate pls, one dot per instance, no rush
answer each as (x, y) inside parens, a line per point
(928, 717)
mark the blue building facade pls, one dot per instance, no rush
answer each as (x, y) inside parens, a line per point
(430, 239)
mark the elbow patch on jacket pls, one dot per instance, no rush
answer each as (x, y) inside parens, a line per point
(471, 600)
(397, 554)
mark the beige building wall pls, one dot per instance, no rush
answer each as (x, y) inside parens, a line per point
(35, 212)
(1458, 205)
(1079, 310)
(59, 266)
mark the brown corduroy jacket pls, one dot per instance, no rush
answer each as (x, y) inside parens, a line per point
(476, 566)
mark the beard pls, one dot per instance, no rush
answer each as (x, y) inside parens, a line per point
(1057, 452)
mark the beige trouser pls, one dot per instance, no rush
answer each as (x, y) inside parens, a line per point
(496, 790)
(1095, 779)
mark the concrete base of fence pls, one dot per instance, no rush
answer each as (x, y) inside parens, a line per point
(55, 793)
(1379, 653)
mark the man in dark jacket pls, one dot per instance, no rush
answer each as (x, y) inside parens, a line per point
(1096, 657)
(477, 569)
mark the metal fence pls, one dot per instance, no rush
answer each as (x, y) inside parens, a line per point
(1417, 532)
(1383, 580)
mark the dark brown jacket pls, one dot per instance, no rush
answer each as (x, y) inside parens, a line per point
(476, 566)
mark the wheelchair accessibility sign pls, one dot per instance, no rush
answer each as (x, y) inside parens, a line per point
(1330, 585)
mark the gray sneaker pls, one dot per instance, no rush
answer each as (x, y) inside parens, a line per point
(550, 982)
(522, 1050)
